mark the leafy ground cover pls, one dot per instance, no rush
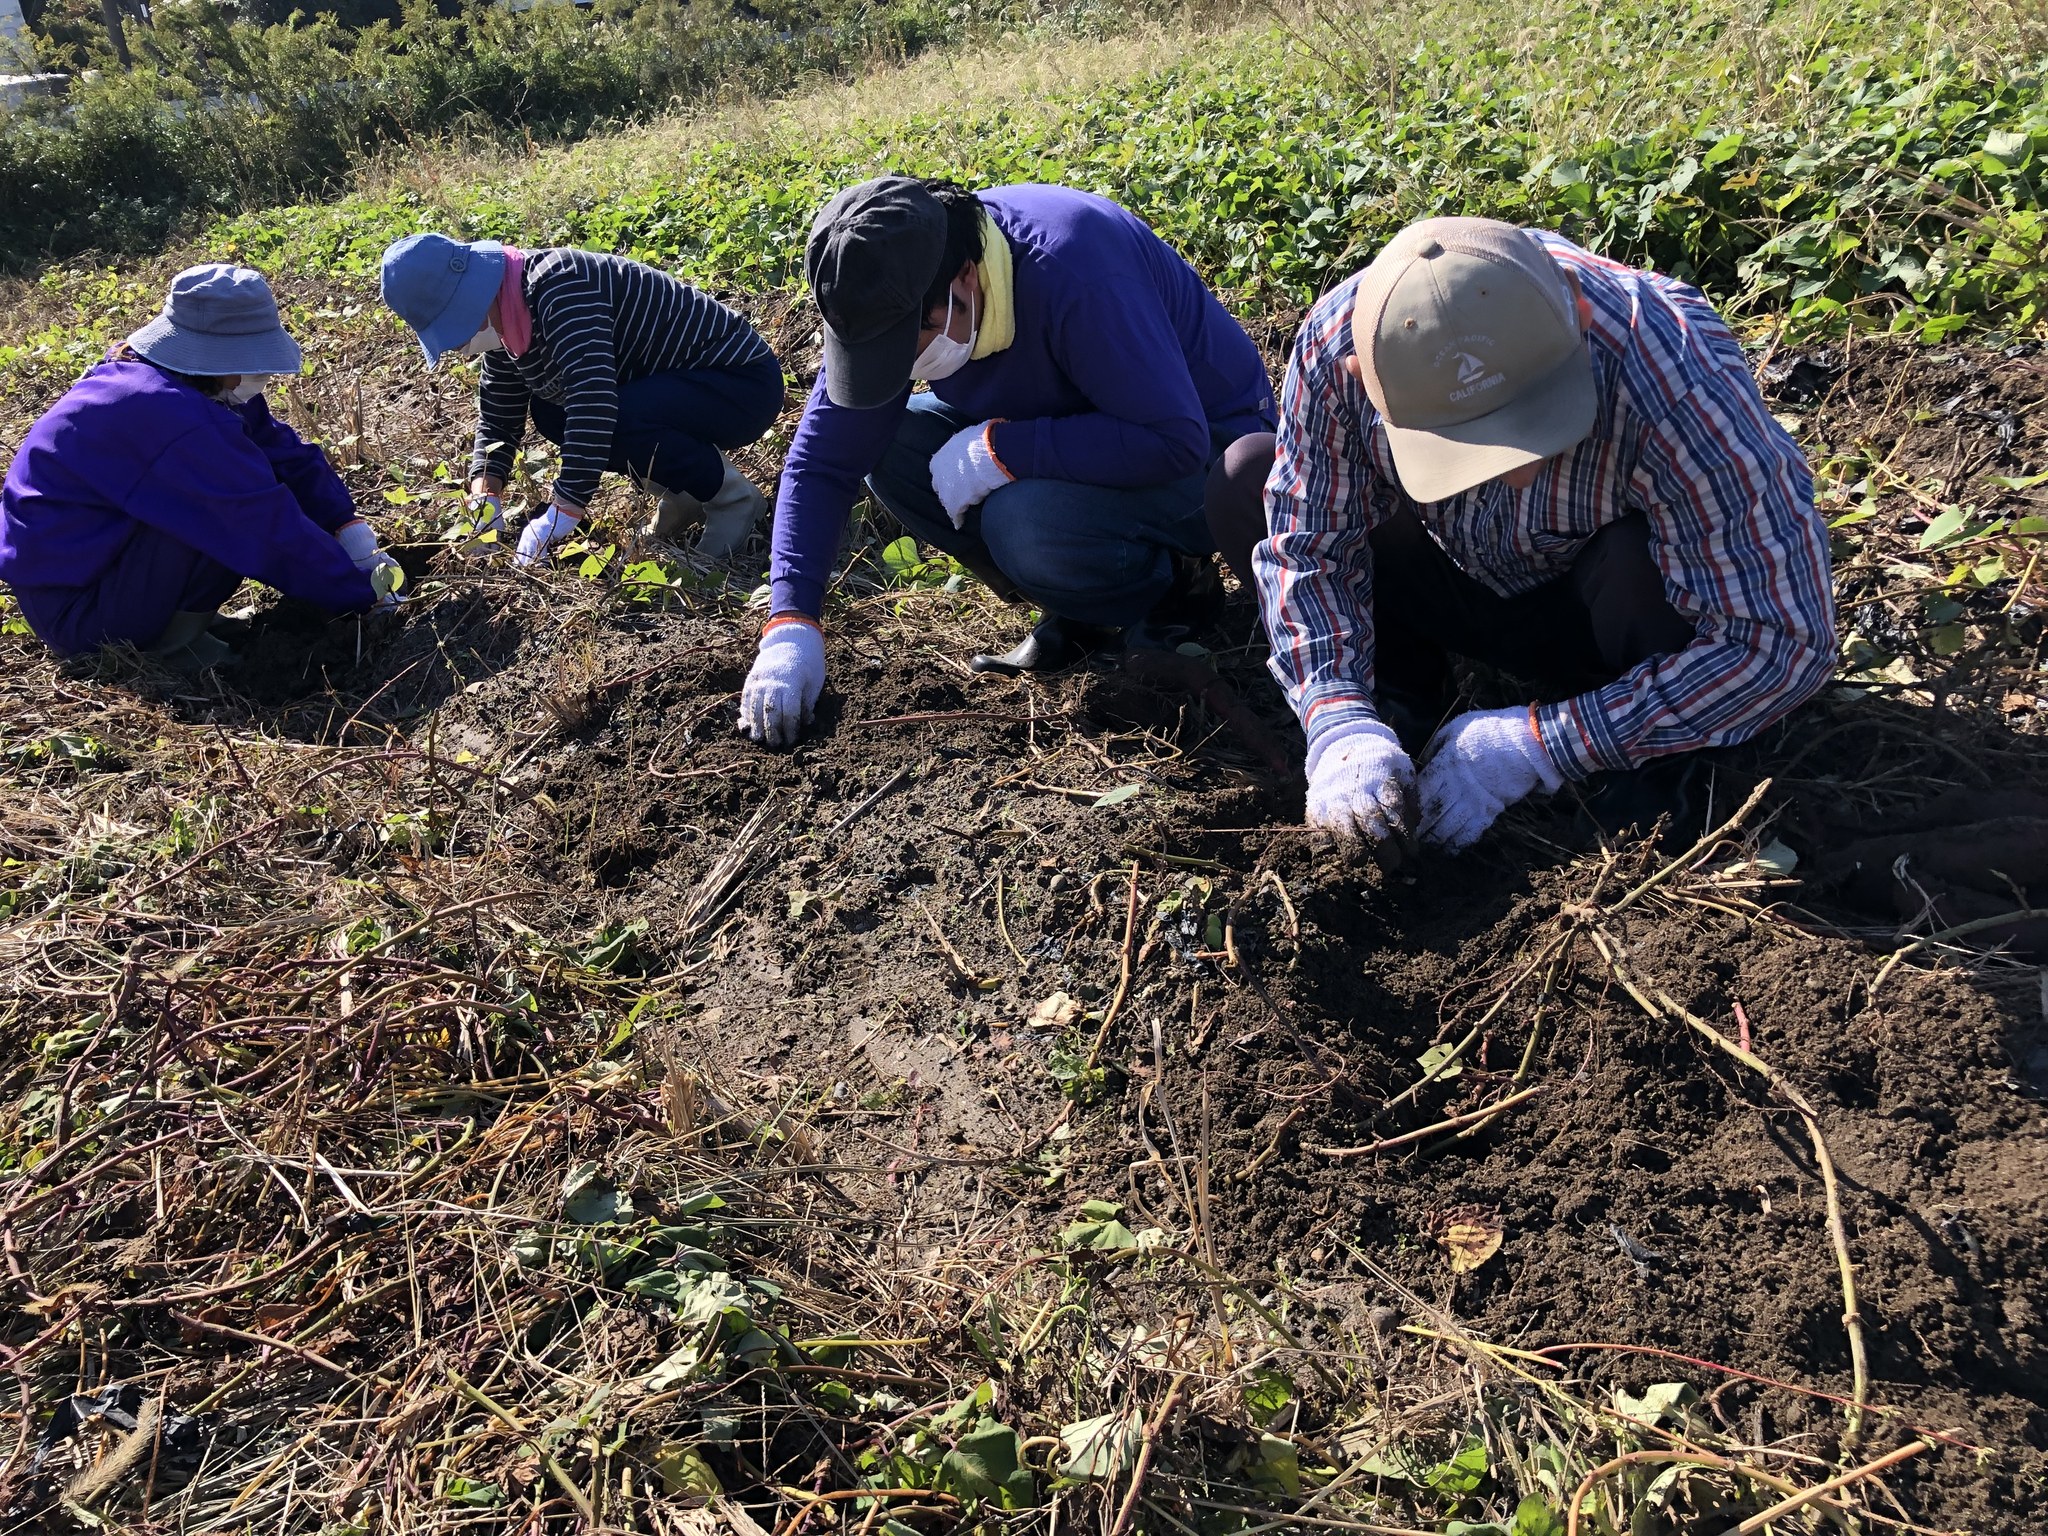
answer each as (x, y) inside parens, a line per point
(450, 1081)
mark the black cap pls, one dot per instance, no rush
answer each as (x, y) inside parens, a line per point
(874, 253)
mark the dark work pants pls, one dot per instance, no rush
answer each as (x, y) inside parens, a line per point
(155, 577)
(1603, 616)
(672, 425)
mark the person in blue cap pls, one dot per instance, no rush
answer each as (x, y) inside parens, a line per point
(160, 481)
(623, 367)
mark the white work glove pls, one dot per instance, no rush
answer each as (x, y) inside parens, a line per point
(1478, 766)
(543, 533)
(783, 688)
(965, 471)
(1359, 783)
(358, 540)
(486, 515)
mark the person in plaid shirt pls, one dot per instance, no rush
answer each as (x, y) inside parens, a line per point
(1495, 444)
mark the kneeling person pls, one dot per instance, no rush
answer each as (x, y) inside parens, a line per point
(1083, 381)
(160, 482)
(1495, 444)
(620, 366)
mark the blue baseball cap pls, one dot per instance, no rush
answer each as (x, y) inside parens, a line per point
(218, 320)
(442, 288)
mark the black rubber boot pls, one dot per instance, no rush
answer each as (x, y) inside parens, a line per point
(1195, 600)
(1053, 644)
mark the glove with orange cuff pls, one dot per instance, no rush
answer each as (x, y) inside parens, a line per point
(789, 673)
(966, 472)
(1478, 766)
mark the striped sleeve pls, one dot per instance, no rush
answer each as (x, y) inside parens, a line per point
(501, 400)
(1733, 528)
(575, 313)
(1314, 568)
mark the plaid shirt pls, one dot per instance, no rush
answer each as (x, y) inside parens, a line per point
(1682, 436)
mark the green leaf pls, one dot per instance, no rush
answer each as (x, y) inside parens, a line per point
(1102, 1448)
(1944, 528)
(1278, 1467)
(1462, 1475)
(1534, 1516)
(1100, 1210)
(474, 1495)
(988, 1464)
(1268, 1395)
(2007, 144)
(1947, 639)
(1099, 1236)
(1117, 796)
(684, 1471)
(1435, 1057)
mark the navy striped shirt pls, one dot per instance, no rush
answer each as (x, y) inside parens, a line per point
(598, 322)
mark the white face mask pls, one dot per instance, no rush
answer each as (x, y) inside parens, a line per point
(250, 387)
(485, 340)
(945, 356)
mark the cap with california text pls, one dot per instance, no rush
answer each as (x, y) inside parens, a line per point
(1470, 345)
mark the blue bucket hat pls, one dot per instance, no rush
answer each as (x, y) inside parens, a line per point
(218, 320)
(442, 288)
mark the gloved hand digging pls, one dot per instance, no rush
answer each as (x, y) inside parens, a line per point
(486, 515)
(358, 540)
(1478, 766)
(788, 675)
(1361, 785)
(541, 534)
(965, 472)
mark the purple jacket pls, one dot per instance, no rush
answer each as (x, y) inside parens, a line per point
(129, 448)
(1122, 365)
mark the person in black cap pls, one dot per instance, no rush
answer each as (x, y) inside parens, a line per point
(1082, 382)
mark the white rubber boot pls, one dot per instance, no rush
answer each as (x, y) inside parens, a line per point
(731, 516)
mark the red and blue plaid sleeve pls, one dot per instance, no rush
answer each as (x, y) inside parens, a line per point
(1314, 567)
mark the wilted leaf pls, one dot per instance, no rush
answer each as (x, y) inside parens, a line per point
(1665, 1402)
(1055, 1012)
(1471, 1237)
(1100, 1210)
(1118, 795)
(589, 1198)
(1101, 1448)
(1777, 858)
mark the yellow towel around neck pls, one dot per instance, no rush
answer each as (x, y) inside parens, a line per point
(998, 291)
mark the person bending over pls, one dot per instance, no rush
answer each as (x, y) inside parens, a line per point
(620, 366)
(160, 481)
(1495, 444)
(1082, 382)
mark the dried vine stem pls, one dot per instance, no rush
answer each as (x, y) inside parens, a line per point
(1684, 860)
(1661, 1006)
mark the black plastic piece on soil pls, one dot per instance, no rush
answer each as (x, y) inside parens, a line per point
(180, 1434)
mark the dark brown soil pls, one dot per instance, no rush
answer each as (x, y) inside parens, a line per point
(865, 947)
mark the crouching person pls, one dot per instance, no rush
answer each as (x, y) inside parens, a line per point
(620, 366)
(160, 481)
(1496, 445)
(1082, 382)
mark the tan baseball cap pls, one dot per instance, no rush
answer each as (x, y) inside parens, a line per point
(1469, 340)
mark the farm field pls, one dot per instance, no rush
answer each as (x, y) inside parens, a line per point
(452, 1081)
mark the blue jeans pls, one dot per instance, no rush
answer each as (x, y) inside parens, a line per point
(1095, 554)
(671, 425)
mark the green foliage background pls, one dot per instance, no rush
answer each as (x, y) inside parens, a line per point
(1903, 187)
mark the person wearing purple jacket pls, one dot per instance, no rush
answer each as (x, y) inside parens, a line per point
(1083, 381)
(145, 496)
